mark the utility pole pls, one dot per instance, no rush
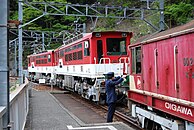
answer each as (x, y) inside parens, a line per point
(4, 60)
(84, 27)
(43, 41)
(15, 58)
(161, 23)
(20, 50)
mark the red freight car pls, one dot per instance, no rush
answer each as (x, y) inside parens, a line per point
(162, 79)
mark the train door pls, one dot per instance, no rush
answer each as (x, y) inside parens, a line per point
(99, 50)
(149, 67)
(136, 68)
(165, 67)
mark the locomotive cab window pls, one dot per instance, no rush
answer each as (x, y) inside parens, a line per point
(136, 60)
(116, 46)
(86, 48)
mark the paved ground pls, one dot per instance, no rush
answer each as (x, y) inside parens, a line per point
(80, 109)
(47, 113)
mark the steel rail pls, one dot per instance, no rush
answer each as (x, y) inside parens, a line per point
(126, 119)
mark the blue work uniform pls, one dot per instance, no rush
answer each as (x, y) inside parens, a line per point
(111, 96)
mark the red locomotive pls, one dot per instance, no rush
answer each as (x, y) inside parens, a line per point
(162, 79)
(41, 65)
(80, 63)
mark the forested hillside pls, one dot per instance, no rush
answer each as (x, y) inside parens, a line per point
(177, 12)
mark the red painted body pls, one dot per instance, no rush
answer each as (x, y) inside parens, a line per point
(166, 80)
(174, 108)
(41, 59)
(84, 50)
(75, 52)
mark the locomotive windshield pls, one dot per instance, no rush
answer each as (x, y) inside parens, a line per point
(116, 46)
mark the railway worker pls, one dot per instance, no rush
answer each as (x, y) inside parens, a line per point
(115, 48)
(111, 96)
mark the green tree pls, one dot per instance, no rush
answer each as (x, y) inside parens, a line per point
(180, 13)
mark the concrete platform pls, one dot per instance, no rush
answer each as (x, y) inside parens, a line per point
(46, 113)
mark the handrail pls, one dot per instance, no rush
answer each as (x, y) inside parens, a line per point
(95, 60)
(124, 58)
(124, 64)
(156, 67)
(175, 66)
(103, 59)
(79, 36)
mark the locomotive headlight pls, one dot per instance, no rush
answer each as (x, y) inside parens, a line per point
(98, 35)
(86, 44)
(124, 34)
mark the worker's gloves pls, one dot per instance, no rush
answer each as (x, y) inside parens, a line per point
(124, 76)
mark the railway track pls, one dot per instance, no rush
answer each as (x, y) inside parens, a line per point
(124, 118)
(102, 110)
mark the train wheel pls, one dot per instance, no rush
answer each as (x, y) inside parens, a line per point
(74, 89)
(102, 99)
(150, 125)
(91, 97)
